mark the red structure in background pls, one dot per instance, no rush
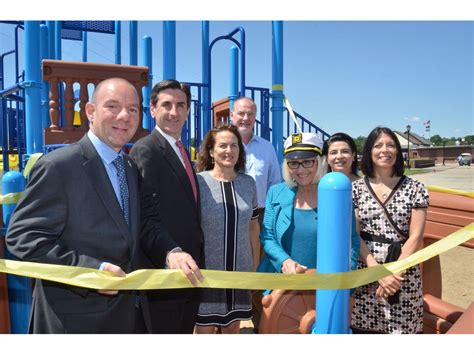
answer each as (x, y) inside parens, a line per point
(57, 72)
(221, 112)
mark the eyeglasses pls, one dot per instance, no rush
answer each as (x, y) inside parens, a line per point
(293, 164)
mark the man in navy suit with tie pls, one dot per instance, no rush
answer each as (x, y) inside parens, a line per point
(81, 208)
(169, 189)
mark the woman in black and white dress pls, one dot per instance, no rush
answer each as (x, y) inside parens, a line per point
(391, 213)
(230, 223)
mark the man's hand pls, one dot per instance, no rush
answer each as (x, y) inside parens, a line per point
(116, 270)
(185, 262)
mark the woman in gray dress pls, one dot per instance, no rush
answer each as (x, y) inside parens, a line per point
(230, 225)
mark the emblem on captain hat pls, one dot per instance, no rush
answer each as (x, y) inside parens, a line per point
(296, 138)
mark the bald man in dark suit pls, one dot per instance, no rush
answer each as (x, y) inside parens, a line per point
(81, 208)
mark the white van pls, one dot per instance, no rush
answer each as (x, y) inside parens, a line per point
(465, 159)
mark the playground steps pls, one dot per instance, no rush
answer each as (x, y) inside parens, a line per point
(447, 213)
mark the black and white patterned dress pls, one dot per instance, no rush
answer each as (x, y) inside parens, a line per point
(227, 209)
(371, 313)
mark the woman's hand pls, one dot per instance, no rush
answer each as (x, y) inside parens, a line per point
(290, 266)
(389, 285)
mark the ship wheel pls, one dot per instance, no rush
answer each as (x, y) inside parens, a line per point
(288, 312)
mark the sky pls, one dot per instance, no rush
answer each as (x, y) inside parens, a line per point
(345, 76)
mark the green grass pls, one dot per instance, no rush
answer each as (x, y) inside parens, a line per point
(417, 171)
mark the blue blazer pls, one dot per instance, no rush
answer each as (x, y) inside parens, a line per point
(277, 219)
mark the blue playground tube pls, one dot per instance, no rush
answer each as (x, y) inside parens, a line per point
(169, 50)
(57, 40)
(34, 125)
(277, 88)
(19, 288)
(234, 76)
(133, 42)
(147, 62)
(51, 39)
(333, 251)
(206, 102)
(44, 51)
(84, 46)
(118, 43)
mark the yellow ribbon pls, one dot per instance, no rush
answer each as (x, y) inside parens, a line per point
(166, 279)
(14, 197)
(10, 198)
(31, 161)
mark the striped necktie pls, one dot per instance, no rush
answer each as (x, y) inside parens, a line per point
(122, 178)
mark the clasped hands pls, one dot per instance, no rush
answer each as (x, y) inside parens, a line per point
(389, 285)
(176, 260)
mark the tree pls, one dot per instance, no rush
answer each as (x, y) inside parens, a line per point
(469, 140)
(436, 140)
(360, 141)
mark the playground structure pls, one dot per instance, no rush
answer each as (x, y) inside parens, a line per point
(55, 71)
(24, 121)
(27, 99)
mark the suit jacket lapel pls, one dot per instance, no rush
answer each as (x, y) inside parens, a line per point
(94, 169)
(132, 179)
(176, 165)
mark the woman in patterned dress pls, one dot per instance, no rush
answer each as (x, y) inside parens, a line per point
(230, 226)
(391, 212)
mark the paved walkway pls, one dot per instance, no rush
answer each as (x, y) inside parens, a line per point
(450, 176)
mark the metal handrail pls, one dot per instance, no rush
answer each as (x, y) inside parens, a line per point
(11, 90)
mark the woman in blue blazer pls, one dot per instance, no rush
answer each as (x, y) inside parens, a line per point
(289, 231)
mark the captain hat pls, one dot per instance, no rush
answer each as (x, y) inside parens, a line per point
(302, 146)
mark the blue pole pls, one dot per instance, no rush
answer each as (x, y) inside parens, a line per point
(118, 43)
(277, 88)
(333, 251)
(58, 56)
(84, 46)
(242, 61)
(206, 106)
(57, 40)
(169, 50)
(19, 288)
(44, 49)
(34, 136)
(51, 39)
(147, 61)
(133, 42)
(234, 76)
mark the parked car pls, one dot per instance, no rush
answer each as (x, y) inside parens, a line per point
(465, 159)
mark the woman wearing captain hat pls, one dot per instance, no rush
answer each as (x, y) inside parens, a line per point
(289, 230)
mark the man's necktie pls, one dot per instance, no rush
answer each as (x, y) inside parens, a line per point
(122, 178)
(187, 166)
